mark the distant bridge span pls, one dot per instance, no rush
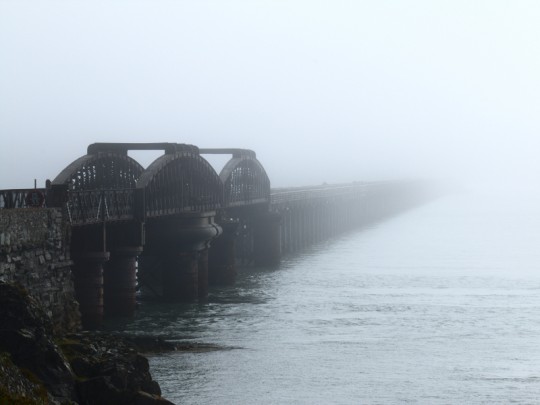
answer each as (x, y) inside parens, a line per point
(185, 224)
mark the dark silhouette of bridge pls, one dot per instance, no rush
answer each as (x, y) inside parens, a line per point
(184, 226)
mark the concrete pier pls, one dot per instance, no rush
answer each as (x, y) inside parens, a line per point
(202, 264)
(180, 272)
(179, 248)
(222, 255)
(88, 280)
(120, 281)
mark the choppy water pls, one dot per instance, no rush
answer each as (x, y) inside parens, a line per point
(440, 305)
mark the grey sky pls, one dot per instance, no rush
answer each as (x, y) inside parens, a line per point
(323, 91)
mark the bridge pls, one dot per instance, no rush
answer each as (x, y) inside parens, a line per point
(178, 226)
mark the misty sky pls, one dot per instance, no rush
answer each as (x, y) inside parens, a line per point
(323, 91)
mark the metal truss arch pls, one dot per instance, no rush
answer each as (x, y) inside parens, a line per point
(99, 171)
(245, 181)
(180, 182)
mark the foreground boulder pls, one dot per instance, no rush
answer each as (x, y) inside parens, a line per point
(26, 335)
(83, 368)
(18, 386)
(109, 370)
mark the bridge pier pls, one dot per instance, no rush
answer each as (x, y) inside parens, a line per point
(202, 264)
(120, 281)
(179, 269)
(180, 273)
(222, 255)
(88, 281)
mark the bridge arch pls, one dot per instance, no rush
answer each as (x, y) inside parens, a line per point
(244, 179)
(101, 170)
(180, 181)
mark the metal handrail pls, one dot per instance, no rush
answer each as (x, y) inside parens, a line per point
(22, 198)
(92, 206)
(315, 192)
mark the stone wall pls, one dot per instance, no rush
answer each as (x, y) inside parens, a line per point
(34, 252)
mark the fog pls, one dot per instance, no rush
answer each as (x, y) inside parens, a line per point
(323, 91)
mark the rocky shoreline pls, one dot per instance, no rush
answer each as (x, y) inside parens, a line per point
(39, 367)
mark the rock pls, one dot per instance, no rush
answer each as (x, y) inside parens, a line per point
(17, 388)
(108, 368)
(26, 334)
(85, 368)
(100, 390)
(151, 344)
(143, 398)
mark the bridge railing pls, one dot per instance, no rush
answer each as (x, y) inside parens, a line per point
(157, 206)
(22, 198)
(93, 206)
(299, 194)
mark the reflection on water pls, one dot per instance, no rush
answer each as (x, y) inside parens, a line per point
(439, 305)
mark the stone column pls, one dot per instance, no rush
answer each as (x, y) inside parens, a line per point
(222, 256)
(180, 272)
(177, 242)
(149, 276)
(88, 280)
(120, 281)
(203, 274)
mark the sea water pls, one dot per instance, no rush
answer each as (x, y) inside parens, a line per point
(439, 305)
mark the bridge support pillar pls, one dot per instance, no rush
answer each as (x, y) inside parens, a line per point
(180, 276)
(149, 276)
(202, 265)
(267, 240)
(222, 256)
(88, 280)
(179, 246)
(120, 281)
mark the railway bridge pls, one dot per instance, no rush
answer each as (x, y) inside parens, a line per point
(178, 225)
